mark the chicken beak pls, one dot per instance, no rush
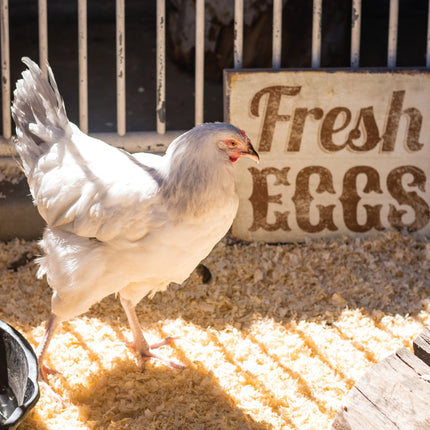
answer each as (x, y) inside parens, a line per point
(250, 152)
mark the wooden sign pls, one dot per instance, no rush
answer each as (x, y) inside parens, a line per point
(342, 152)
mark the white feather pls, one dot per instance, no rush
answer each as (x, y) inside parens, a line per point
(118, 222)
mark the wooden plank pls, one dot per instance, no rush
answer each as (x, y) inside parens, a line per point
(358, 413)
(422, 346)
(419, 366)
(393, 394)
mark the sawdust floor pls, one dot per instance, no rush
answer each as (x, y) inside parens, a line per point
(275, 340)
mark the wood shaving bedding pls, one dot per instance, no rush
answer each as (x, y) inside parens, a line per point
(275, 340)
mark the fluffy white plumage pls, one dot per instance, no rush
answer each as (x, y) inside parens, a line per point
(118, 222)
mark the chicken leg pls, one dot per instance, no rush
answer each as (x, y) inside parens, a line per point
(140, 345)
(51, 325)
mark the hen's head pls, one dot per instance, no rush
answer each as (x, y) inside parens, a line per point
(218, 140)
(234, 143)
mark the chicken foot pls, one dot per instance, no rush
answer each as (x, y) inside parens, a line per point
(141, 347)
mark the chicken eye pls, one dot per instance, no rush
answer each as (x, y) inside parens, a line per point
(233, 143)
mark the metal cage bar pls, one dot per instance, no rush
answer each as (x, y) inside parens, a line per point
(316, 33)
(160, 108)
(428, 37)
(200, 62)
(355, 33)
(120, 67)
(392, 33)
(277, 34)
(83, 65)
(5, 70)
(43, 36)
(238, 34)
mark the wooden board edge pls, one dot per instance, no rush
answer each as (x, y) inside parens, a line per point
(422, 346)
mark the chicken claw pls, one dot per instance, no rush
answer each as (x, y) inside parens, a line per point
(44, 371)
(146, 354)
(140, 345)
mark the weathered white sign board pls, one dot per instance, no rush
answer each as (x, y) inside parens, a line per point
(342, 152)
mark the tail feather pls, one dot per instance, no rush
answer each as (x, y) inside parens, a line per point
(39, 114)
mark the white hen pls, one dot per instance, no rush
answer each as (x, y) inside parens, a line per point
(118, 222)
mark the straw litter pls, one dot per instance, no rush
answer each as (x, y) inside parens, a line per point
(274, 340)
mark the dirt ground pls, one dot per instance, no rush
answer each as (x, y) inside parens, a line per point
(275, 340)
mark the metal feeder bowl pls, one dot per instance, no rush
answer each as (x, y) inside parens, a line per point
(19, 390)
